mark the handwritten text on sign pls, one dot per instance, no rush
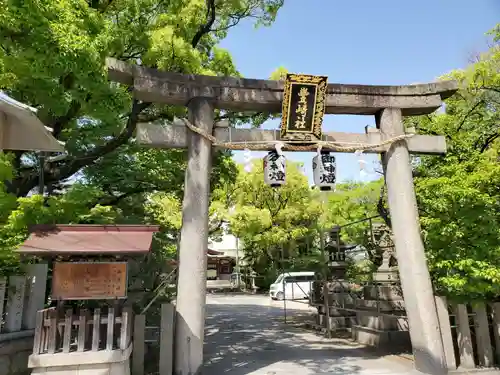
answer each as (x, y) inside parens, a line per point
(89, 280)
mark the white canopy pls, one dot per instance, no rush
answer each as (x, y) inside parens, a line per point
(21, 129)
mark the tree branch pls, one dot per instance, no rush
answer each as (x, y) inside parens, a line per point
(80, 162)
(113, 200)
(101, 7)
(235, 19)
(488, 141)
(471, 110)
(216, 228)
(241, 116)
(152, 117)
(58, 123)
(61, 169)
(207, 26)
(495, 89)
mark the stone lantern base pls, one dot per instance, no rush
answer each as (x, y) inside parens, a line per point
(381, 316)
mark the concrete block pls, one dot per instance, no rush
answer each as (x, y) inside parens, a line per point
(384, 339)
(376, 322)
(369, 336)
(385, 306)
(385, 293)
(97, 369)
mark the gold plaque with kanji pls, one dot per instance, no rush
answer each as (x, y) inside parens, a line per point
(89, 280)
(304, 100)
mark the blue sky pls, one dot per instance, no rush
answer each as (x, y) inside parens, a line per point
(366, 42)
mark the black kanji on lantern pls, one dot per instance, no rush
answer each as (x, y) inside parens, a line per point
(329, 169)
(274, 168)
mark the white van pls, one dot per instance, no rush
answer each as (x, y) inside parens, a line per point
(292, 285)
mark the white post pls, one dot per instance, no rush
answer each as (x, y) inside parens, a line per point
(166, 338)
(37, 276)
(15, 303)
(3, 129)
(237, 263)
(191, 286)
(415, 279)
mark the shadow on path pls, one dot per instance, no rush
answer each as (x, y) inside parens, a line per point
(246, 337)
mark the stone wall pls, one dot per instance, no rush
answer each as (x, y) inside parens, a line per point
(14, 353)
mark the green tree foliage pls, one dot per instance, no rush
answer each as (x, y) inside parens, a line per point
(353, 202)
(459, 195)
(52, 57)
(276, 225)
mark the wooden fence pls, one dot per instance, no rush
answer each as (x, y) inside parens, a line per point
(471, 333)
(20, 299)
(145, 335)
(59, 331)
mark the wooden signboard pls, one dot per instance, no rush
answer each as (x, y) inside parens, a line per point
(303, 109)
(89, 280)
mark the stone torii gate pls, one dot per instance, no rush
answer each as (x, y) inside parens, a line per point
(202, 94)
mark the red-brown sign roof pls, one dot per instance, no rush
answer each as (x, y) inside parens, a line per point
(89, 239)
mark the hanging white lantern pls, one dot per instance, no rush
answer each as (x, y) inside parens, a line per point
(324, 170)
(275, 167)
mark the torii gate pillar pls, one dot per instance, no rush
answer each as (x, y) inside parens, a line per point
(413, 271)
(192, 271)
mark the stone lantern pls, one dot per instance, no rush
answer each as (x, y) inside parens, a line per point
(384, 244)
(336, 250)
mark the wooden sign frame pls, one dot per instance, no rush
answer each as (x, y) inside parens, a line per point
(72, 281)
(303, 108)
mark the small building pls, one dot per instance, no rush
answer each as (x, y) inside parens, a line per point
(230, 245)
(219, 265)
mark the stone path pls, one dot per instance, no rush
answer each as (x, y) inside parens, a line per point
(245, 335)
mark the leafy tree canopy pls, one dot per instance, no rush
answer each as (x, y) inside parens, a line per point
(52, 57)
(459, 196)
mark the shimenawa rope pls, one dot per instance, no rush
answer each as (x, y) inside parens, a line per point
(291, 145)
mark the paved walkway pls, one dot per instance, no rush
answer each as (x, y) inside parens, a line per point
(245, 335)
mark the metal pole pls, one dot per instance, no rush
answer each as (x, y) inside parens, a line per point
(325, 267)
(41, 176)
(237, 264)
(284, 281)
